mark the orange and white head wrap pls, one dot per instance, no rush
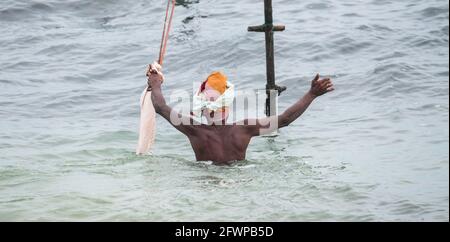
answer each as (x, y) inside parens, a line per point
(216, 94)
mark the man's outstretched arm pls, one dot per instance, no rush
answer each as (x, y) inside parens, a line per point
(318, 88)
(271, 124)
(182, 123)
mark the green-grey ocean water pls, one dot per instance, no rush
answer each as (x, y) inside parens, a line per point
(71, 73)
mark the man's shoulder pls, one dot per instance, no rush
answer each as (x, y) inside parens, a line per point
(239, 129)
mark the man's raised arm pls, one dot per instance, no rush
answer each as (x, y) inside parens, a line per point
(318, 88)
(271, 124)
(182, 123)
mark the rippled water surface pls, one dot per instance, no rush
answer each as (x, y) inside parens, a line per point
(71, 72)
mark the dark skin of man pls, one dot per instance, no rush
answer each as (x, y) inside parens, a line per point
(224, 143)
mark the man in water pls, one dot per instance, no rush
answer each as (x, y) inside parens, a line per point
(218, 141)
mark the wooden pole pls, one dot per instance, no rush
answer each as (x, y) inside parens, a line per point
(269, 30)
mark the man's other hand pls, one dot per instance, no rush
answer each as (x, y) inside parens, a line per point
(321, 87)
(154, 75)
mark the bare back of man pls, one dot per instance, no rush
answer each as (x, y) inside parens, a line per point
(220, 144)
(224, 143)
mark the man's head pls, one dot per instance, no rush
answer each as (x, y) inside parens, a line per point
(215, 95)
